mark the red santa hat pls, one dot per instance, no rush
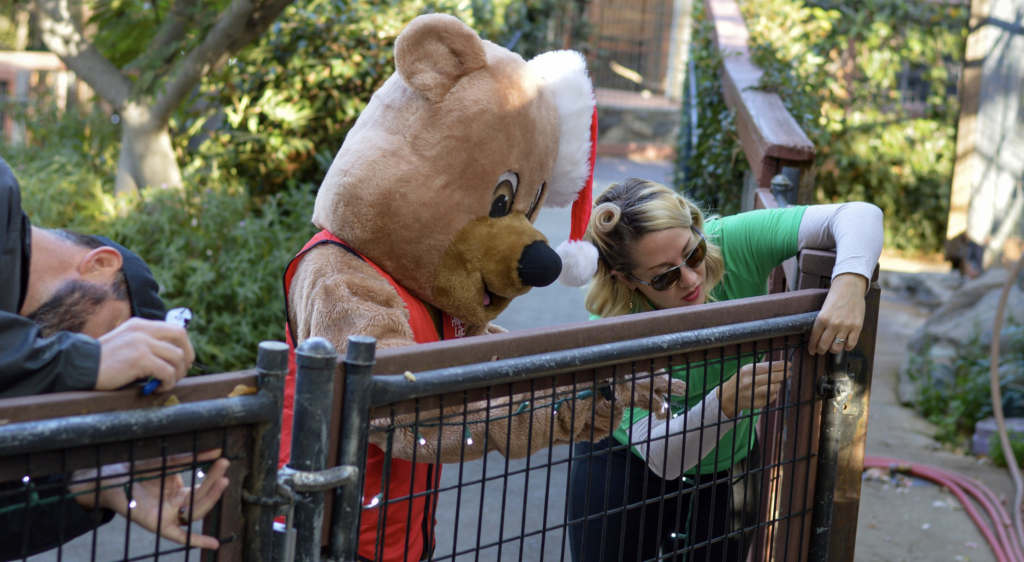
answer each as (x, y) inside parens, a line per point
(573, 178)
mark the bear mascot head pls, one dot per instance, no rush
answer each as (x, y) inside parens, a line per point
(446, 169)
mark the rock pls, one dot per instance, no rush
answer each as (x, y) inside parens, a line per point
(929, 290)
(957, 322)
(1011, 339)
(985, 428)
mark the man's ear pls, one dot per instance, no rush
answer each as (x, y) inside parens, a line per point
(436, 51)
(100, 264)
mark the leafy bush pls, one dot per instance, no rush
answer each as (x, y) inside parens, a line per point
(211, 248)
(281, 110)
(716, 160)
(872, 88)
(956, 403)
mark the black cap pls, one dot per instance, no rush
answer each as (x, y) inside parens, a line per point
(143, 291)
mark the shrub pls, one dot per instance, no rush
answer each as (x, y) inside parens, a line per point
(872, 88)
(280, 111)
(956, 403)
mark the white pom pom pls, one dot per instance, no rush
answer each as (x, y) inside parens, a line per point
(579, 262)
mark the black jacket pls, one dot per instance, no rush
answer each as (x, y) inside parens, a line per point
(29, 363)
(35, 517)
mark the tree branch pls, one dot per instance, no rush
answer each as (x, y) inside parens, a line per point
(173, 28)
(241, 23)
(62, 35)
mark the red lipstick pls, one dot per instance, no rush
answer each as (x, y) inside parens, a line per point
(692, 295)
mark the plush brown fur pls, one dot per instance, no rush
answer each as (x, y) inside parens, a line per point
(412, 189)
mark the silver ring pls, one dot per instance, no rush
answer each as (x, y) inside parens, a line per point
(839, 340)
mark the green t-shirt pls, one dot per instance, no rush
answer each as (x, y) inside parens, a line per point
(752, 244)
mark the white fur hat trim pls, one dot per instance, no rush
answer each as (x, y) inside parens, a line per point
(566, 75)
(579, 262)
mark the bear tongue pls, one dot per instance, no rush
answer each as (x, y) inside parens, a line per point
(487, 299)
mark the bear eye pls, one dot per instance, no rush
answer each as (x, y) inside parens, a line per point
(504, 195)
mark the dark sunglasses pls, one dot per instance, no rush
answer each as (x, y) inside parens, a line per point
(668, 279)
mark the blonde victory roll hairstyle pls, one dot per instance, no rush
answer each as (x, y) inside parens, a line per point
(623, 215)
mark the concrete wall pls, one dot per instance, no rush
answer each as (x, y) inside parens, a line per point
(988, 184)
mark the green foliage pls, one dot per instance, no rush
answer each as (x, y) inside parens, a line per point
(281, 110)
(716, 160)
(840, 69)
(996, 449)
(211, 248)
(955, 396)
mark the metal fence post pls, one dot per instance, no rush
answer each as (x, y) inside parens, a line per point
(835, 387)
(272, 366)
(355, 429)
(314, 387)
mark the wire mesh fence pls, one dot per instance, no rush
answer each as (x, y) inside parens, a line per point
(698, 513)
(510, 447)
(137, 484)
(525, 458)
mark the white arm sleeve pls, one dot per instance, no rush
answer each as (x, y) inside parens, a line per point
(853, 229)
(675, 445)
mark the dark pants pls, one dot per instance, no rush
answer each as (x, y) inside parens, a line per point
(655, 517)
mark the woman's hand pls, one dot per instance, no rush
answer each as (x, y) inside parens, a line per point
(841, 317)
(753, 388)
(161, 505)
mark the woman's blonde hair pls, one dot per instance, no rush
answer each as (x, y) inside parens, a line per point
(622, 215)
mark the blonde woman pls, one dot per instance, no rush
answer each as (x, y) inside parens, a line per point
(657, 251)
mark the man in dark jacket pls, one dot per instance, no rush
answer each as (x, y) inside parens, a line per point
(66, 302)
(81, 312)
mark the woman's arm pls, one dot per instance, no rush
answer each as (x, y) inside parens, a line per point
(674, 446)
(855, 231)
(677, 444)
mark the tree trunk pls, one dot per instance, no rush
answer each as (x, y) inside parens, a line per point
(147, 156)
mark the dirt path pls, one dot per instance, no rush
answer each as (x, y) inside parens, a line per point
(923, 522)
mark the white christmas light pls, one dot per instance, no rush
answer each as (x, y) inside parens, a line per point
(200, 473)
(423, 441)
(26, 479)
(132, 504)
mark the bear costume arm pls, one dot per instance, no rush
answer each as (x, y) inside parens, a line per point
(498, 426)
(335, 295)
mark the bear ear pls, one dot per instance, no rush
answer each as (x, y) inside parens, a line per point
(436, 51)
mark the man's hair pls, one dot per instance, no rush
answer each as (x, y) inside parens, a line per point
(119, 288)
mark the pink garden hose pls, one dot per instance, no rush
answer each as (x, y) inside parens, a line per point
(1004, 535)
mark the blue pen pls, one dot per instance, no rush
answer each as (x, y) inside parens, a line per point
(178, 317)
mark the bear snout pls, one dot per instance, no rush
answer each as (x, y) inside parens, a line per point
(539, 265)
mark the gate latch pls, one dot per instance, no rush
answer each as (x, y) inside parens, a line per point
(319, 481)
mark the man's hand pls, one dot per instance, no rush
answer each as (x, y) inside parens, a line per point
(144, 348)
(161, 505)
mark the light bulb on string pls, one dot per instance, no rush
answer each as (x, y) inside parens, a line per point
(422, 441)
(373, 501)
(469, 438)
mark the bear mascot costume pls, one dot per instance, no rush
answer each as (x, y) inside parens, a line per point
(427, 215)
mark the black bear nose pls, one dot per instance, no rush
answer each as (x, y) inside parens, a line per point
(539, 265)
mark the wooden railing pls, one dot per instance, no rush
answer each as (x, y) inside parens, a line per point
(771, 138)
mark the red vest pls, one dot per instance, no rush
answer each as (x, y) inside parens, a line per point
(415, 521)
